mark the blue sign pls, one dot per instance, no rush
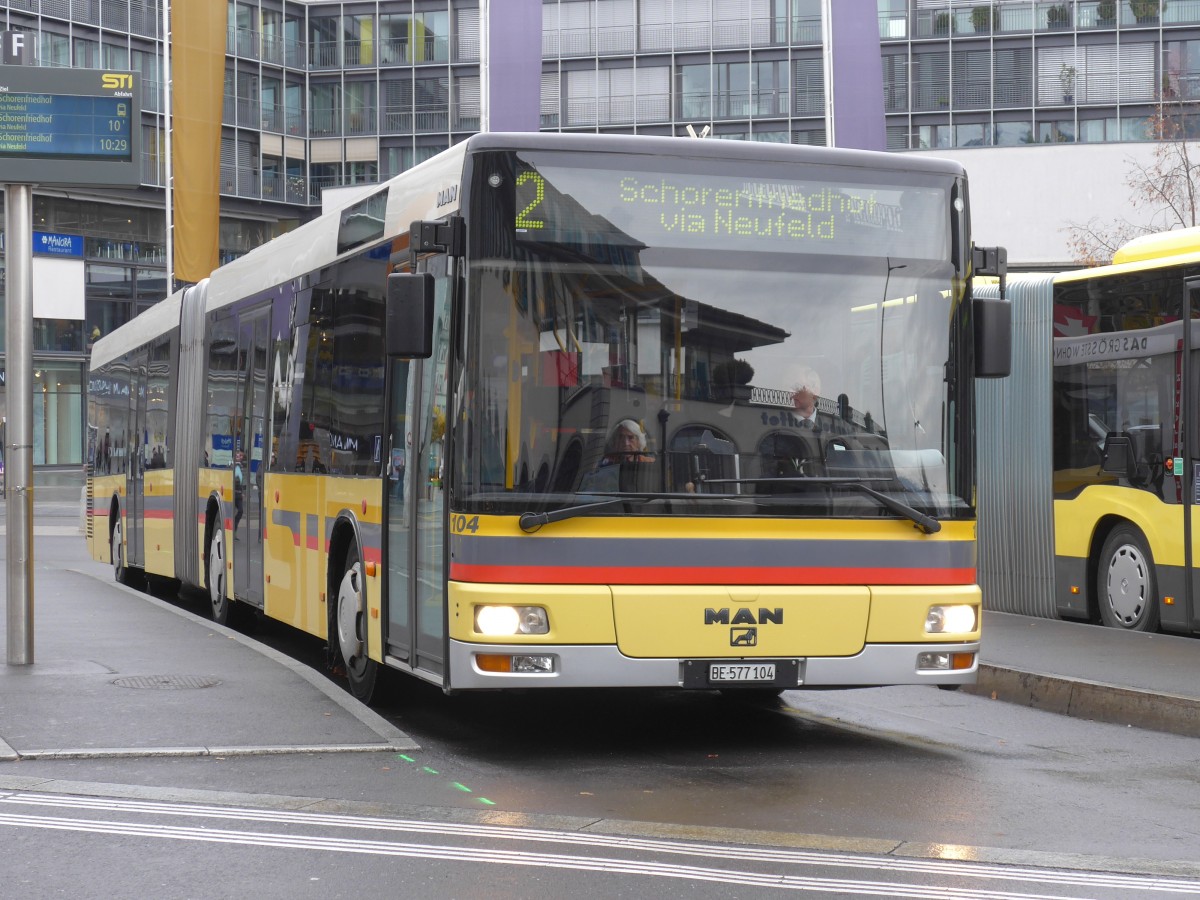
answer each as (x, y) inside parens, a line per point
(221, 454)
(49, 244)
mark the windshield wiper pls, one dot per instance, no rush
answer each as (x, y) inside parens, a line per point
(927, 524)
(531, 521)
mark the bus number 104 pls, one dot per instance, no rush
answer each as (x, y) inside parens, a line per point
(460, 524)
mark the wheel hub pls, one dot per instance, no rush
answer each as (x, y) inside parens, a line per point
(1127, 584)
(349, 614)
(216, 571)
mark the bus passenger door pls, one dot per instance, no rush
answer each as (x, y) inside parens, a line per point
(416, 535)
(135, 541)
(1187, 473)
(248, 501)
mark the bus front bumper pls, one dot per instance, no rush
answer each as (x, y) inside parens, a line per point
(587, 666)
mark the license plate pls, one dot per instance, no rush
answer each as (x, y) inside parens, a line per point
(741, 672)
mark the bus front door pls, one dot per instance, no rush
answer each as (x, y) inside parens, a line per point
(135, 503)
(254, 330)
(416, 521)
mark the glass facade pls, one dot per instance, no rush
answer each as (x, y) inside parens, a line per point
(1009, 72)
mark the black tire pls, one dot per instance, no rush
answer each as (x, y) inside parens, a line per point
(215, 576)
(1126, 588)
(349, 629)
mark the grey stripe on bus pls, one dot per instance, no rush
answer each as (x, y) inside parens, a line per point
(734, 552)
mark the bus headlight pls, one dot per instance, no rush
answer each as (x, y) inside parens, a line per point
(498, 621)
(958, 619)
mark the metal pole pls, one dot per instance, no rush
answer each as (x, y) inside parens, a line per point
(18, 224)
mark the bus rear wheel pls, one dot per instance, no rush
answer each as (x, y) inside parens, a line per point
(351, 629)
(214, 574)
(1127, 591)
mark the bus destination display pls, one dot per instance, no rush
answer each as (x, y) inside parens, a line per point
(60, 126)
(717, 210)
(70, 126)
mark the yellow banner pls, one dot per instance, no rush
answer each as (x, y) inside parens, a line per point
(198, 79)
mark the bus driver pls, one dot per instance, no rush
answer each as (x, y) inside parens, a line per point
(627, 445)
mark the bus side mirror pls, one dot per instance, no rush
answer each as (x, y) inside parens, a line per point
(1118, 454)
(409, 329)
(993, 337)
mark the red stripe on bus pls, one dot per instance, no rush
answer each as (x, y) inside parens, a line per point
(158, 514)
(704, 575)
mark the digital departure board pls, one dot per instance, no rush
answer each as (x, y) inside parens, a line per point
(69, 126)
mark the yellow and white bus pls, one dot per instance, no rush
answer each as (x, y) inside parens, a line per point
(1106, 386)
(395, 427)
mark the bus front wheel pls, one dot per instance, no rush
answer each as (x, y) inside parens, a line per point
(351, 613)
(1127, 591)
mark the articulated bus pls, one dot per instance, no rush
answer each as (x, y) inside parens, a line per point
(1102, 420)
(535, 414)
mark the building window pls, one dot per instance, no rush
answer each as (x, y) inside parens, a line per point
(1013, 78)
(359, 99)
(431, 37)
(733, 90)
(432, 107)
(1056, 132)
(86, 54)
(1105, 74)
(57, 414)
(895, 82)
(972, 79)
(55, 50)
(931, 80)
(324, 110)
(970, 135)
(1098, 130)
(323, 42)
(394, 35)
(358, 42)
(1010, 134)
(930, 137)
(897, 137)
(1181, 70)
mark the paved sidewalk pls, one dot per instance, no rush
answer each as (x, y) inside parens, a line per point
(118, 673)
(1087, 671)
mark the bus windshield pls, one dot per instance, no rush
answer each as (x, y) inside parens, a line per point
(722, 337)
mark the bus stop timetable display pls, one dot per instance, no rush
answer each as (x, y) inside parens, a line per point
(64, 127)
(69, 126)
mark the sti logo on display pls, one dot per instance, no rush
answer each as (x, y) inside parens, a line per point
(117, 81)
